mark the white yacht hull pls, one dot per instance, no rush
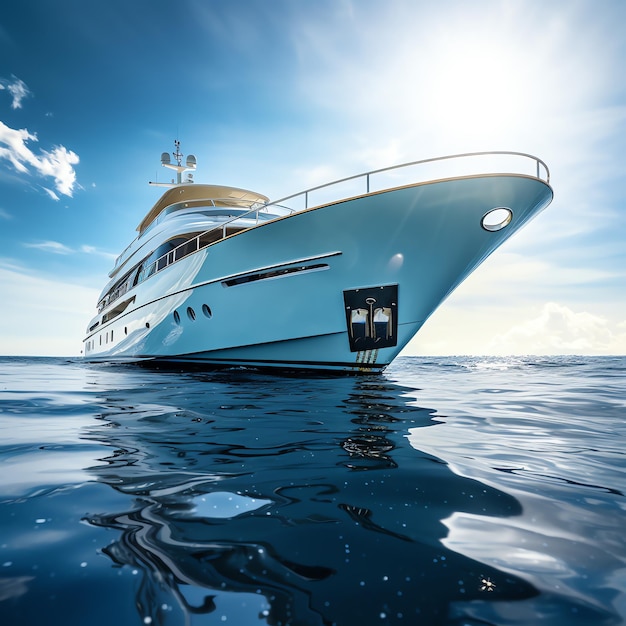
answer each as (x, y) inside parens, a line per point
(279, 295)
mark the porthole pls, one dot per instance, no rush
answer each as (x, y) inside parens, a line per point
(207, 311)
(176, 317)
(497, 219)
(147, 324)
(191, 314)
(126, 330)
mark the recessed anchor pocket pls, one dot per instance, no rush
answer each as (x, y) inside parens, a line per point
(372, 317)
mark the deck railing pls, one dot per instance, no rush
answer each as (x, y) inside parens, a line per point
(531, 165)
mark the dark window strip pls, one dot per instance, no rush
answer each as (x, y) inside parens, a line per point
(250, 278)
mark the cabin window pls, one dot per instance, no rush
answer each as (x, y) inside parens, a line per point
(176, 317)
(191, 314)
(168, 246)
(206, 310)
(165, 254)
(128, 281)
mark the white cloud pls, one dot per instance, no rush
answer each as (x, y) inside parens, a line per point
(57, 163)
(546, 329)
(50, 246)
(51, 193)
(93, 250)
(59, 248)
(559, 330)
(16, 151)
(18, 90)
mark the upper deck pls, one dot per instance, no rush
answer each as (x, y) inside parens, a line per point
(184, 195)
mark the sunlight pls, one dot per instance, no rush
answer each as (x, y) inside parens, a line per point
(478, 90)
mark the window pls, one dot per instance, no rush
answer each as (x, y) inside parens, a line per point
(277, 273)
(496, 219)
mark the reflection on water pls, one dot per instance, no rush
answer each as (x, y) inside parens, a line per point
(260, 499)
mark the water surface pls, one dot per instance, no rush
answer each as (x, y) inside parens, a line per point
(445, 491)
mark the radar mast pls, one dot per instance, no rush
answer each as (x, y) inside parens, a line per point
(178, 167)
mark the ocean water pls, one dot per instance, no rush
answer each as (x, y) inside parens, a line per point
(457, 491)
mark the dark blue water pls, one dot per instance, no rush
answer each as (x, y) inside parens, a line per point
(457, 491)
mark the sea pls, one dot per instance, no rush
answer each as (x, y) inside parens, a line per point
(458, 491)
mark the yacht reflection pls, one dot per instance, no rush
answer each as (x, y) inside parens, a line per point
(260, 499)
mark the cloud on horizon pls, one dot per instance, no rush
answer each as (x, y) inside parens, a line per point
(559, 330)
(23, 328)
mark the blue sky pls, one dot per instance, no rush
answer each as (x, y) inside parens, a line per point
(279, 95)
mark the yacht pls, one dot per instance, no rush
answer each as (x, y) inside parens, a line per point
(339, 277)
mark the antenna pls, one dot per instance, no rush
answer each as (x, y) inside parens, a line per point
(177, 155)
(190, 164)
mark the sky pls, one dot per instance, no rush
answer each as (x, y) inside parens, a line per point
(280, 95)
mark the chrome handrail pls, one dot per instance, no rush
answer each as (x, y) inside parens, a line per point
(538, 163)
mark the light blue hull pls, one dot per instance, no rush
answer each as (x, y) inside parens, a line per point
(277, 295)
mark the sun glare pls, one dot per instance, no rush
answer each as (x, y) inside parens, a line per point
(477, 90)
